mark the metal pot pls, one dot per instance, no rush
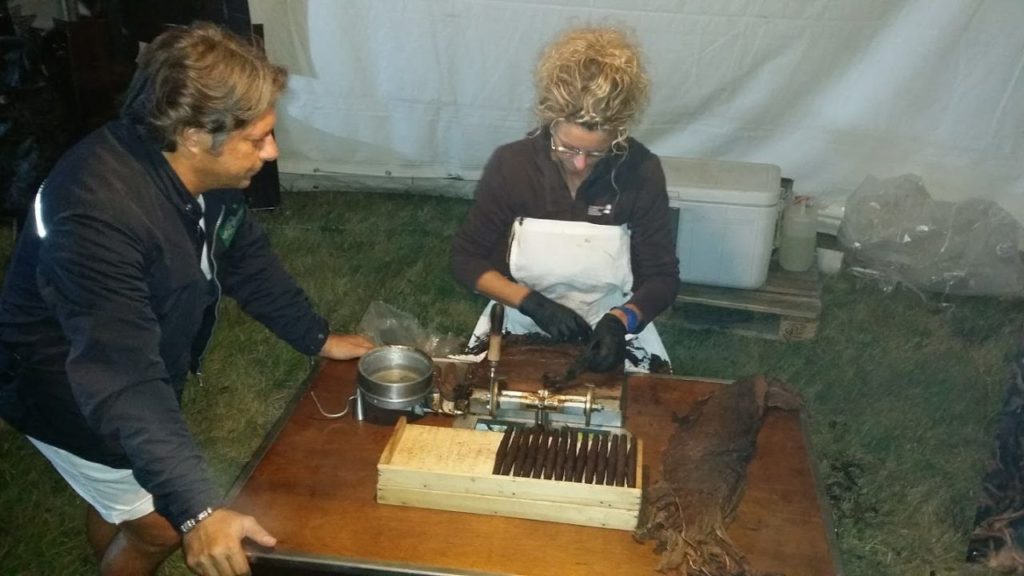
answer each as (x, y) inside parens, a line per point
(395, 377)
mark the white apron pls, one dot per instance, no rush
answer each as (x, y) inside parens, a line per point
(583, 266)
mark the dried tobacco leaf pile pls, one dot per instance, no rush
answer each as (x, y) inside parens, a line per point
(703, 476)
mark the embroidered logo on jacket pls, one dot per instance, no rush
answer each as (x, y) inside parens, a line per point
(234, 216)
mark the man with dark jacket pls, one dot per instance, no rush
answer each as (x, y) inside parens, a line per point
(112, 294)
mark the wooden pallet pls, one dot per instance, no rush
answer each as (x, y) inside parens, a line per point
(785, 308)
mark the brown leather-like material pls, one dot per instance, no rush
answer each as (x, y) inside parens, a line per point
(314, 489)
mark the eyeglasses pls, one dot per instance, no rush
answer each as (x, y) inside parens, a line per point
(568, 152)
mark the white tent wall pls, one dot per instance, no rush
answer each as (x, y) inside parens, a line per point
(830, 90)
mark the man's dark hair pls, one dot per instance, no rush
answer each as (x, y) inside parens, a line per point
(203, 77)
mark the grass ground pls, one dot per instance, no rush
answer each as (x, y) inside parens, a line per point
(901, 394)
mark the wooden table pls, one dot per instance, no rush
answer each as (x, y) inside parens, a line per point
(312, 485)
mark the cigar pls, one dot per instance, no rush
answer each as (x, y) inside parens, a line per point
(552, 454)
(620, 461)
(601, 470)
(563, 443)
(499, 457)
(524, 450)
(631, 464)
(581, 459)
(613, 460)
(570, 456)
(531, 453)
(542, 453)
(514, 448)
(588, 474)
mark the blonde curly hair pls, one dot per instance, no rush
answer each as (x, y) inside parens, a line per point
(592, 77)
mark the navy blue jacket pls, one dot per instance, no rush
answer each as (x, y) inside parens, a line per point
(105, 310)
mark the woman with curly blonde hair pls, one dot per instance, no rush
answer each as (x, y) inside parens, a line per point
(570, 226)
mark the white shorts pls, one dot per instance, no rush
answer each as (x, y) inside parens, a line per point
(113, 492)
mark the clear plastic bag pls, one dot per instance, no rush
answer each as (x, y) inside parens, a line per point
(894, 232)
(385, 325)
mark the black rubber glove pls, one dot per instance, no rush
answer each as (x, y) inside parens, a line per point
(607, 347)
(560, 322)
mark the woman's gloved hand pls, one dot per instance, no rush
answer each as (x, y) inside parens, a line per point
(560, 322)
(607, 347)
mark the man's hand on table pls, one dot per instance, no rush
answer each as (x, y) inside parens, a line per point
(345, 346)
(214, 546)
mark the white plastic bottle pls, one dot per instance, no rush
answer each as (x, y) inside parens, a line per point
(799, 235)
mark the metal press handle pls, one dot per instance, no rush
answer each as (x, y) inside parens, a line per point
(497, 318)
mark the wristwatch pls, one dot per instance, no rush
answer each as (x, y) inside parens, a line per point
(191, 522)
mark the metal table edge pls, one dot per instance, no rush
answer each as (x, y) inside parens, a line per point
(352, 566)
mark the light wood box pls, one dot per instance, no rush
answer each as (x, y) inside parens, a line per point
(450, 469)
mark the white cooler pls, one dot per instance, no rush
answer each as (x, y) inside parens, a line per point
(727, 216)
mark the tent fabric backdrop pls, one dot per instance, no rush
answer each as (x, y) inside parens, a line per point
(829, 90)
